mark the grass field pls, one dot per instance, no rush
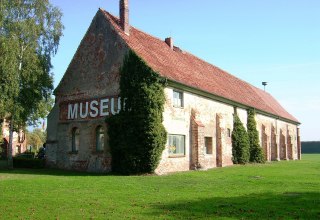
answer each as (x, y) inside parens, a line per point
(278, 190)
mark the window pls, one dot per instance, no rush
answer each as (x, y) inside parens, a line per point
(177, 99)
(18, 149)
(176, 145)
(208, 144)
(229, 132)
(75, 139)
(99, 138)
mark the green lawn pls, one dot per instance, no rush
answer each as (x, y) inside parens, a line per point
(278, 190)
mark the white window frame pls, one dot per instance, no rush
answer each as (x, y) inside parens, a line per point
(206, 145)
(100, 138)
(75, 142)
(176, 142)
(229, 133)
(178, 102)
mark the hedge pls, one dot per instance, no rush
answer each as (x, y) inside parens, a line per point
(20, 162)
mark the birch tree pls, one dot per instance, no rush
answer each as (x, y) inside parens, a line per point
(30, 31)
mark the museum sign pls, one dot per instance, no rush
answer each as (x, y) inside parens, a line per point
(89, 109)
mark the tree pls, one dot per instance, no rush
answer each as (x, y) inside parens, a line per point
(30, 31)
(256, 153)
(240, 142)
(36, 138)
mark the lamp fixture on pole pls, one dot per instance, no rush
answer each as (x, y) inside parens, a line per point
(264, 85)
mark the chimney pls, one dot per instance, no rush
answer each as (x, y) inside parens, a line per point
(169, 41)
(124, 16)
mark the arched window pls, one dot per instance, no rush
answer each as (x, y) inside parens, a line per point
(75, 139)
(99, 138)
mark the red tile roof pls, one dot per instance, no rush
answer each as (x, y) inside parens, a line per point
(185, 68)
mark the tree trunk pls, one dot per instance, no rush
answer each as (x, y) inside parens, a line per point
(10, 161)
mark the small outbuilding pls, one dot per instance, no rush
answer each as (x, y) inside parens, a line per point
(19, 142)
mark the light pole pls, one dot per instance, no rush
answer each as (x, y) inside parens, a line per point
(264, 85)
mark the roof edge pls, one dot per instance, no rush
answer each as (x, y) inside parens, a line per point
(224, 100)
(56, 90)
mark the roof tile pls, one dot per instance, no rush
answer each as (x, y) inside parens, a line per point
(185, 68)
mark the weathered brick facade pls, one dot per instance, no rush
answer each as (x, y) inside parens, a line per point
(19, 143)
(92, 74)
(201, 128)
(201, 117)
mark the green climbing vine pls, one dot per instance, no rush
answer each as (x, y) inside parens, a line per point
(137, 136)
(240, 142)
(256, 153)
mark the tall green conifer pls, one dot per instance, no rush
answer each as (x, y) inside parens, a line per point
(256, 153)
(240, 142)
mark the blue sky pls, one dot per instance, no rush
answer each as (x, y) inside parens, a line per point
(274, 41)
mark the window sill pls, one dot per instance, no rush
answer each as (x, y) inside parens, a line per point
(176, 156)
(181, 107)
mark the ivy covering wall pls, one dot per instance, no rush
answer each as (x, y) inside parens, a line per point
(240, 142)
(256, 153)
(137, 136)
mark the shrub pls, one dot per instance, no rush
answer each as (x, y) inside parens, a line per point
(2, 151)
(256, 153)
(1, 132)
(29, 155)
(240, 142)
(136, 135)
(1, 141)
(20, 162)
(3, 164)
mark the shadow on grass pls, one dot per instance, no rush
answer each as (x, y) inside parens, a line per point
(49, 171)
(55, 171)
(289, 205)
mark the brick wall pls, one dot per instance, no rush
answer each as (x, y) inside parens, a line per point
(92, 74)
(19, 142)
(201, 117)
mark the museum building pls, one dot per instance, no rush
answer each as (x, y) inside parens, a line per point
(200, 102)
